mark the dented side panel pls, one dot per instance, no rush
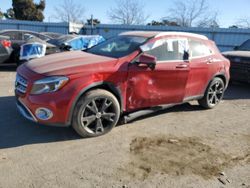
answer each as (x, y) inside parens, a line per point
(166, 84)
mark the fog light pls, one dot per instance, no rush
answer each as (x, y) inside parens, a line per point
(44, 113)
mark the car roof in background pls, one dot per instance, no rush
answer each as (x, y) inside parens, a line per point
(8, 30)
(52, 34)
(28, 31)
(156, 34)
(65, 38)
(4, 37)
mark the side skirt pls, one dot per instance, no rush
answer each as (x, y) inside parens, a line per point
(134, 115)
(192, 98)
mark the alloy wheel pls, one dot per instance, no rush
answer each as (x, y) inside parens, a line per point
(215, 93)
(98, 116)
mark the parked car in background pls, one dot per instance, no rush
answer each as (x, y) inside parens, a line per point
(36, 48)
(77, 42)
(52, 34)
(19, 37)
(5, 49)
(135, 70)
(240, 62)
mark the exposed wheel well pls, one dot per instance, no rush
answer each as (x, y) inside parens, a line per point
(221, 76)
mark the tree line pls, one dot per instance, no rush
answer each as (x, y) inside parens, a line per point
(189, 13)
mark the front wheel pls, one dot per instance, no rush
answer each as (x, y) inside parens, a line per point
(96, 113)
(214, 94)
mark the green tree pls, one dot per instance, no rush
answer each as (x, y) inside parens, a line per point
(28, 10)
(9, 14)
(1, 15)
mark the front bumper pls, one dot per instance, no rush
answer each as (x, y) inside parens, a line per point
(27, 111)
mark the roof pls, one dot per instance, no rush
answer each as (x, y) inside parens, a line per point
(155, 34)
(7, 30)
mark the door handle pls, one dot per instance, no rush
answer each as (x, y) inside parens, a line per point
(210, 60)
(181, 66)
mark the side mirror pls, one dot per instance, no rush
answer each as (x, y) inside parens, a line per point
(147, 60)
(236, 48)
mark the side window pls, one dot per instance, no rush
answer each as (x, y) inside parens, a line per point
(159, 52)
(198, 49)
(170, 50)
(39, 36)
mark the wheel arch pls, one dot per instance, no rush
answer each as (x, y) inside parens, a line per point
(97, 85)
(218, 75)
(223, 77)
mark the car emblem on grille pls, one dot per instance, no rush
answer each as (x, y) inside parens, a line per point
(237, 59)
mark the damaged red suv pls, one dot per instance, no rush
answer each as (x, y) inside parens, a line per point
(133, 71)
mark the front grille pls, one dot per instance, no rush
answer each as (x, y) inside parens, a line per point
(240, 68)
(240, 62)
(21, 84)
(244, 65)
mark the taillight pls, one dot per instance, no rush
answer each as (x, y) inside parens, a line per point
(6, 43)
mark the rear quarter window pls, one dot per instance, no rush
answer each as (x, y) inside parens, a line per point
(199, 49)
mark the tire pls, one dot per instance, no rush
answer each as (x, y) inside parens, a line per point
(96, 113)
(214, 94)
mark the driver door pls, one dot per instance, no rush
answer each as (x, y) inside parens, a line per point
(163, 85)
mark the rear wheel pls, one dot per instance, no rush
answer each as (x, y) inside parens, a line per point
(96, 113)
(214, 94)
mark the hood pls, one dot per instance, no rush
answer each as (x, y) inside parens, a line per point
(237, 53)
(68, 63)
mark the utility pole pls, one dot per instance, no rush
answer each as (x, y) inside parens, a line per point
(69, 23)
(92, 24)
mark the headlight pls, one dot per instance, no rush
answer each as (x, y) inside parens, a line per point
(49, 84)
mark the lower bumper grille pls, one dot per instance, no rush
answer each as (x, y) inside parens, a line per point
(25, 111)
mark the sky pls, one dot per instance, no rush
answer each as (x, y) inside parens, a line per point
(229, 11)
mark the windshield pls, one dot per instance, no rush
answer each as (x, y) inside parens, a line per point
(245, 46)
(118, 46)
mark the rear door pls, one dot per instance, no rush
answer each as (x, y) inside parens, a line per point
(166, 83)
(201, 59)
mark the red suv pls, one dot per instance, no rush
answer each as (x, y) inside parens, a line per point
(135, 70)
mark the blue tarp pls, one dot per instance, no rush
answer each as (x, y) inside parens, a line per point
(85, 42)
(32, 50)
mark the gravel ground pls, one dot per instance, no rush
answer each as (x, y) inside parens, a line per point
(183, 146)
